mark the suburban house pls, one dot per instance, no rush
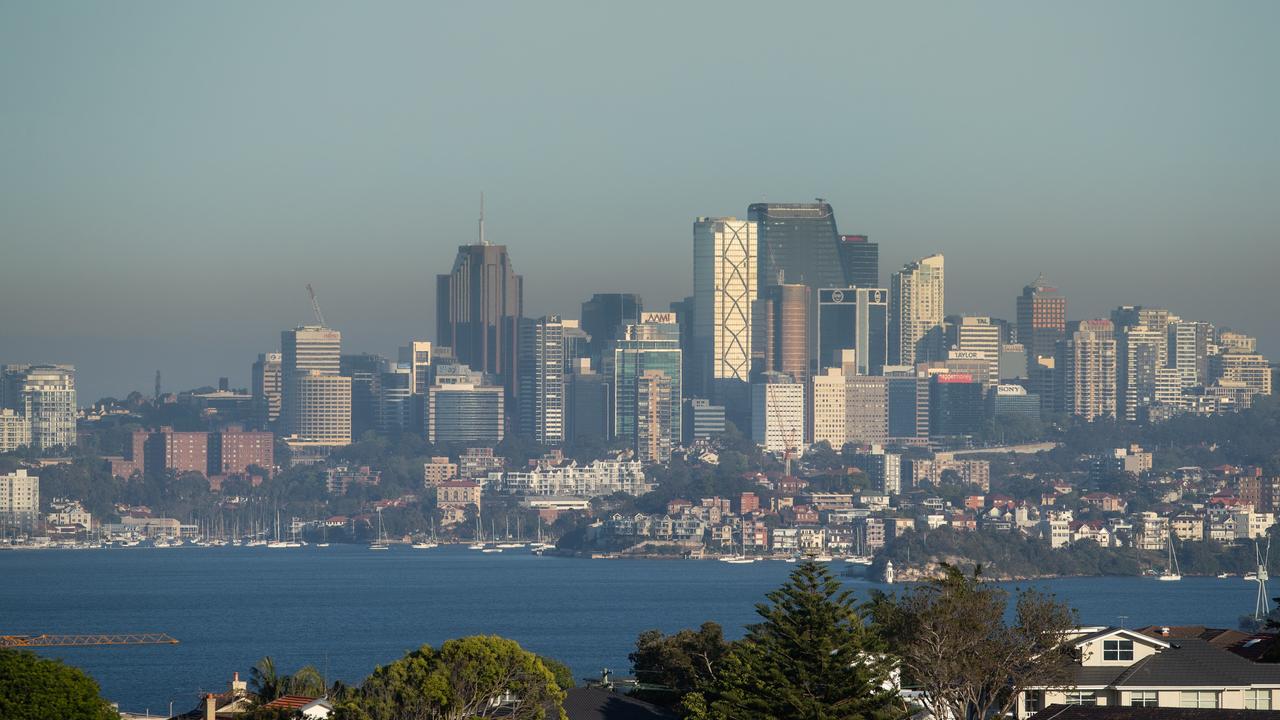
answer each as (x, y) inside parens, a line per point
(1127, 668)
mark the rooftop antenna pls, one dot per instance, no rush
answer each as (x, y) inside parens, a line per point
(315, 306)
(482, 240)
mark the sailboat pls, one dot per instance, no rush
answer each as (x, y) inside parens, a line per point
(740, 558)
(1171, 572)
(278, 543)
(428, 544)
(479, 543)
(381, 543)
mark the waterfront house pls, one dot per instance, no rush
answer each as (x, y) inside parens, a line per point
(1119, 667)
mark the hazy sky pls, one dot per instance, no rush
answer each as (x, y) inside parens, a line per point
(172, 174)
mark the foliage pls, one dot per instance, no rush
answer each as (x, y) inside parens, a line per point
(35, 688)
(669, 667)
(810, 657)
(472, 677)
(267, 684)
(954, 644)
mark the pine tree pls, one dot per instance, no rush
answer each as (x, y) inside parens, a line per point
(811, 658)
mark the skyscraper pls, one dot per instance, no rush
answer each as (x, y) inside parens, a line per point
(268, 388)
(462, 409)
(366, 371)
(798, 244)
(780, 339)
(854, 319)
(317, 398)
(542, 380)
(1042, 319)
(653, 344)
(976, 337)
(724, 289)
(604, 316)
(860, 260)
(1086, 369)
(1189, 350)
(478, 307)
(917, 295)
(46, 396)
(1137, 359)
(656, 416)
(777, 413)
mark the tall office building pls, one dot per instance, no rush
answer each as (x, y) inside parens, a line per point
(1189, 350)
(798, 244)
(417, 357)
(827, 396)
(917, 295)
(462, 409)
(589, 403)
(542, 380)
(908, 404)
(317, 398)
(394, 408)
(857, 320)
(956, 404)
(860, 261)
(653, 344)
(777, 413)
(866, 409)
(268, 389)
(366, 371)
(577, 343)
(976, 337)
(1042, 320)
(780, 340)
(724, 290)
(478, 307)
(1086, 369)
(1137, 359)
(45, 395)
(603, 318)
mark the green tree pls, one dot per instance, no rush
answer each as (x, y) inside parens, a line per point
(668, 667)
(34, 688)
(954, 643)
(811, 657)
(481, 676)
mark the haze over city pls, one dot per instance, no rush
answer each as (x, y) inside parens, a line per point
(173, 175)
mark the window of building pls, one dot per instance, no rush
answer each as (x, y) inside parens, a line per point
(1033, 701)
(1257, 699)
(1117, 649)
(1198, 699)
(1144, 698)
(1077, 697)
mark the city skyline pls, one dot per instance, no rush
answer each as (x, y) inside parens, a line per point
(223, 186)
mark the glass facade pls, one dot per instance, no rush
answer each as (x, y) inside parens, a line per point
(853, 319)
(646, 347)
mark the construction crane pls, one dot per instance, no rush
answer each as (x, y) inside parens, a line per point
(315, 306)
(48, 640)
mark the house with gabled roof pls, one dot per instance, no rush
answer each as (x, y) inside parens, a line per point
(1121, 667)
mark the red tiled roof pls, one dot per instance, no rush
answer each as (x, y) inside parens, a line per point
(293, 702)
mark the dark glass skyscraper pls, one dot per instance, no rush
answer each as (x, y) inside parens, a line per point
(860, 260)
(604, 315)
(478, 308)
(854, 319)
(797, 243)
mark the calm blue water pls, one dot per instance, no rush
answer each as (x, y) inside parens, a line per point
(346, 609)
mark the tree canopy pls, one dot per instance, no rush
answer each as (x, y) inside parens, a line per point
(36, 688)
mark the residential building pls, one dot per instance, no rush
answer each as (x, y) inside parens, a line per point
(1086, 366)
(1251, 370)
(542, 380)
(46, 396)
(883, 469)
(777, 413)
(656, 416)
(19, 499)
(233, 451)
(917, 295)
(857, 320)
(1138, 350)
(318, 408)
(438, 470)
(1189, 350)
(478, 307)
(15, 430)
(595, 479)
(478, 462)
(725, 288)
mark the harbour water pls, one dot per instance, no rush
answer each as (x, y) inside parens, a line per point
(346, 609)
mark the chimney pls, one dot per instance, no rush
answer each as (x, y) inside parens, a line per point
(1164, 631)
(237, 686)
(210, 707)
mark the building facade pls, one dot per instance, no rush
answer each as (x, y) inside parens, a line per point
(542, 380)
(478, 307)
(917, 295)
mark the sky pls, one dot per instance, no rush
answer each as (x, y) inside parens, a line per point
(173, 174)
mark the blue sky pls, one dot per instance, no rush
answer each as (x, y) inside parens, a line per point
(172, 174)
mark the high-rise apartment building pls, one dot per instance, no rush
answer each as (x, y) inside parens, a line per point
(603, 318)
(15, 430)
(1138, 350)
(542, 380)
(653, 344)
(777, 413)
(1251, 370)
(1154, 319)
(318, 407)
(478, 307)
(1237, 342)
(268, 389)
(799, 244)
(656, 416)
(462, 409)
(19, 499)
(860, 260)
(724, 290)
(1189, 350)
(917, 295)
(46, 396)
(1086, 370)
(780, 340)
(857, 320)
